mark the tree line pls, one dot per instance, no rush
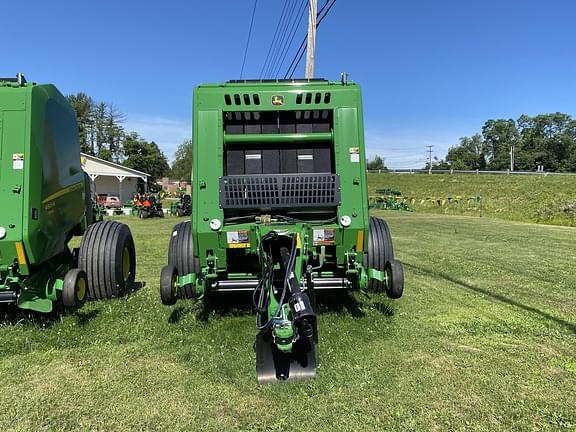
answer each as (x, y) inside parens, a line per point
(102, 134)
(546, 140)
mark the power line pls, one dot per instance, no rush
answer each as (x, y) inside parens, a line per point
(248, 40)
(293, 31)
(270, 50)
(304, 41)
(281, 40)
(302, 47)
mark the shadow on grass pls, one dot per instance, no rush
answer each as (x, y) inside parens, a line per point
(384, 309)
(136, 286)
(12, 315)
(339, 302)
(84, 318)
(498, 297)
(177, 314)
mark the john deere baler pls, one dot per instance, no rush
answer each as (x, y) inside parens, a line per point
(46, 200)
(280, 209)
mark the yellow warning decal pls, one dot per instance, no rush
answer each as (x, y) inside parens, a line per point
(20, 253)
(238, 245)
(359, 241)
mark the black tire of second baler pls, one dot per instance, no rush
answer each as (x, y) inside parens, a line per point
(380, 250)
(181, 256)
(101, 257)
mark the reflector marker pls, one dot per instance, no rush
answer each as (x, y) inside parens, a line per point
(20, 253)
(359, 241)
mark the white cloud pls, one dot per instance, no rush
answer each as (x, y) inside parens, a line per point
(408, 149)
(168, 133)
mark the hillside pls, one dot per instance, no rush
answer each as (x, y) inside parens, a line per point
(526, 198)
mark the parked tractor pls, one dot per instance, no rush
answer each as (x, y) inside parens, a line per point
(47, 201)
(280, 209)
(149, 206)
(182, 207)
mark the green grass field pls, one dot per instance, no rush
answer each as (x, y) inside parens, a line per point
(526, 198)
(484, 339)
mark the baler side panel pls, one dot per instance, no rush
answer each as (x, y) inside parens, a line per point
(11, 180)
(350, 156)
(209, 165)
(55, 190)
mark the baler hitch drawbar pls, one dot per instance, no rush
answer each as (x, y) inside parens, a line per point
(286, 345)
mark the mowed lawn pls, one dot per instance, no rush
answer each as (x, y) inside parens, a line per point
(484, 339)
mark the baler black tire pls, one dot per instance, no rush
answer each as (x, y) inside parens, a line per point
(181, 256)
(395, 279)
(74, 291)
(168, 290)
(108, 257)
(380, 250)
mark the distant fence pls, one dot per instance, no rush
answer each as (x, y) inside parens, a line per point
(477, 172)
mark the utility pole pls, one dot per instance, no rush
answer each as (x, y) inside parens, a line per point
(511, 157)
(311, 39)
(430, 158)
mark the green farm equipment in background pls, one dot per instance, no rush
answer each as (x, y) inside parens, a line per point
(182, 207)
(389, 199)
(47, 200)
(280, 210)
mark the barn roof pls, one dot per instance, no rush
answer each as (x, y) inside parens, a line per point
(99, 167)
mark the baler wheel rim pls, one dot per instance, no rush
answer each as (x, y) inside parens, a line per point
(81, 288)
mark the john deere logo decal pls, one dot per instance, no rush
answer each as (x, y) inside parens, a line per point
(277, 100)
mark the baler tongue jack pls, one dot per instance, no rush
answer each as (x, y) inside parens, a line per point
(286, 345)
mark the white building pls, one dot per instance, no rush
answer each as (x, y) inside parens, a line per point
(111, 178)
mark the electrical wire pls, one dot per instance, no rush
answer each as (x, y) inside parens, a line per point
(273, 38)
(281, 38)
(248, 40)
(292, 32)
(304, 42)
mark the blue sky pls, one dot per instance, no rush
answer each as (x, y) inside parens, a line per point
(431, 71)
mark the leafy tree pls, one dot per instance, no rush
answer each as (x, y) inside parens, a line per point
(376, 163)
(469, 155)
(84, 107)
(114, 132)
(499, 137)
(99, 127)
(549, 140)
(144, 156)
(182, 165)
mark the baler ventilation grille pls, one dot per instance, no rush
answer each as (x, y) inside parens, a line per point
(280, 191)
